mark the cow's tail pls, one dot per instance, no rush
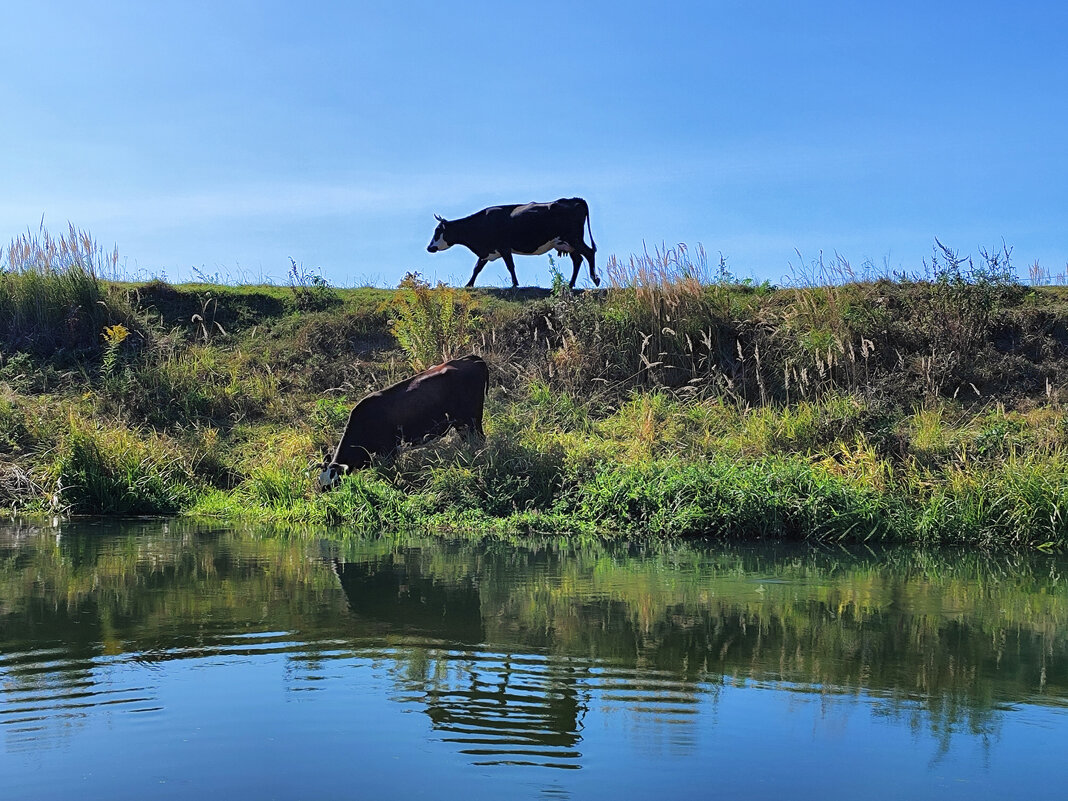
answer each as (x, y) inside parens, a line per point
(593, 245)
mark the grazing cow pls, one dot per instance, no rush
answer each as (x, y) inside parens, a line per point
(420, 408)
(529, 229)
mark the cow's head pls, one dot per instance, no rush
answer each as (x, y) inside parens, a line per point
(439, 242)
(330, 475)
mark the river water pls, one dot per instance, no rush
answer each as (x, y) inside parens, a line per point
(177, 660)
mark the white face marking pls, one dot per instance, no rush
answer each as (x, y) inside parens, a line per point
(328, 478)
(439, 242)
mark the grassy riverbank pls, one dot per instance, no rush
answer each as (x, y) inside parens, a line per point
(928, 407)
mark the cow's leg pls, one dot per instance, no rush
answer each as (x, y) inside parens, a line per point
(507, 256)
(472, 431)
(478, 268)
(476, 424)
(576, 259)
(591, 255)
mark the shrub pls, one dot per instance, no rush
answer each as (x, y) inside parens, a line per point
(432, 324)
(311, 292)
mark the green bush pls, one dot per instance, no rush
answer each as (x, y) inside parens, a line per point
(365, 501)
(198, 382)
(501, 479)
(15, 427)
(432, 324)
(118, 471)
(1017, 502)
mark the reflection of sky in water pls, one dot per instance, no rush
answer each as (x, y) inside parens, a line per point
(272, 717)
(265, 670)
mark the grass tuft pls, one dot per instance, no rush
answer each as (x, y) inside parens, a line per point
(52, 297)
(118, 472)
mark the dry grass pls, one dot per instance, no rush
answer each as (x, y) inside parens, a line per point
(666, 274)
(44, 253)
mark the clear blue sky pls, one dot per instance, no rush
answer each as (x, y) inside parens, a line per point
(231, 136)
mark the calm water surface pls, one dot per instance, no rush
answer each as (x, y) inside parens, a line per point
(170, 660)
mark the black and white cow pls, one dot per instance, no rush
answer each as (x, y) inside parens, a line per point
(529, 229)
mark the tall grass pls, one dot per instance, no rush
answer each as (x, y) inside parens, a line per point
(75, 251)
(1022, 501)
(108, 470)
(52, 296)
(668, 314)
(768, 498)
(195, 385)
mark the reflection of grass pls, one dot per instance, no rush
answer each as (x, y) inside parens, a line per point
(951, 634)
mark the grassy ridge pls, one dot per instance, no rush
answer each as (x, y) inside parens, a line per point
(680, 401)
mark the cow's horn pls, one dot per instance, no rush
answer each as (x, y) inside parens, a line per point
(439, 218)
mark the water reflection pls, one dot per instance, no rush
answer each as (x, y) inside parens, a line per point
(512, 653)
(392, 594)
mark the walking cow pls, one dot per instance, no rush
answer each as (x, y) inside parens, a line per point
(529, 229)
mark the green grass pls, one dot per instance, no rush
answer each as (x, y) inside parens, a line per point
(599, 481)
(678, 401)
(120, 472)
(52, 298)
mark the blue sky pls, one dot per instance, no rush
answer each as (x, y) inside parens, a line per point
(232, 136)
